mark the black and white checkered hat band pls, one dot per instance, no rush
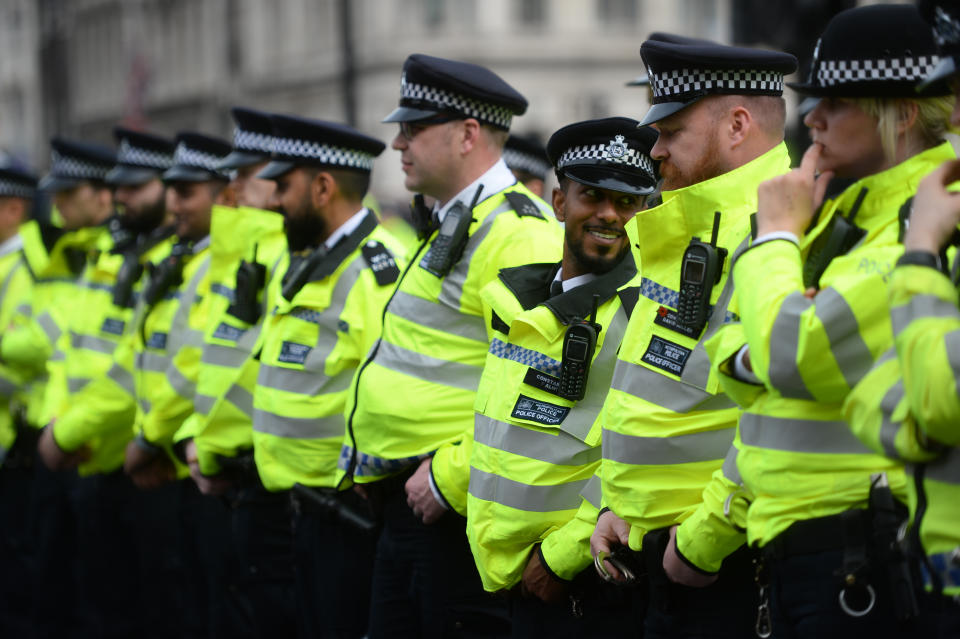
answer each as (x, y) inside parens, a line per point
(832, 72)
(946, 29)
(678, 82)
(440, 99)
(138, 156)
(593, 153)
(10, 188)
(524, 162)
(252, 141)
(74, 167)
(322, 153)
(185, 156)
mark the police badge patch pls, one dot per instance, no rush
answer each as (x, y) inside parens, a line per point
(541, 412)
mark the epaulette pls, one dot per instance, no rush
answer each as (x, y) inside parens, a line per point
(523, 205)
(381, 262)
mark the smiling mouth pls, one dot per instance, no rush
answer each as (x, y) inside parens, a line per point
(607, 235)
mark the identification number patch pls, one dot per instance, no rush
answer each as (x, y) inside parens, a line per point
(668, 319)
(157, 340)
(543, 381)
(293, 353)
(541, 412)
(113, 326)
(666, 355)
(227, 332)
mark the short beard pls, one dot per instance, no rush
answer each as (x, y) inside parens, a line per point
(597, 265)
(146, 219)
(303, 230)
(708, 166)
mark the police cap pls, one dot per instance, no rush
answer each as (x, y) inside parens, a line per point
(303, 142)
(196, 158)
(72, 162)
(611, 153)
(526, 154)
(17, 182)
(876, 51)
(141, 157)
(945, 18)
(663, 36)
(430, 86)
(252, 139)
(683, 73)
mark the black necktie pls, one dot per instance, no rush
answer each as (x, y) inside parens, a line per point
(556, 288)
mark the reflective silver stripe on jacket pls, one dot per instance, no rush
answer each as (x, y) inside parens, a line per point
(889, 429)
(123, 378)
(76, 384)
(918, 307)
(92, 343)
(428, 369)
(226, 356)
(298, 427)
(945, 469)
(593, 492)
(514, 494)
(49, 326)
(184, 387)
(711, 445)
(561, 448)
(730, 469)
(800, 435)
(203, 404)
(660, 390)
(437, 316)
(153, 362)
(179, 333)
(7, 387)
(303, 382)
(241, 398)
(843, 330)
(58, 355)
(783, 370)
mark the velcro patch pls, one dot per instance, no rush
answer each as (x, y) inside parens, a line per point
(293, 353)
(543, 381)
(227, 332)
(541, 412)
(666, 355)
(381, 262)
(668, 319)
(113, 326)
(522, 205)
(158, 341)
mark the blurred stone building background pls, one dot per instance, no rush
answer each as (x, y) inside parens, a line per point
(78, 67)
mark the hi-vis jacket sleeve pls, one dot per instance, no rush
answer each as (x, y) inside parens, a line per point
(105, 405)
(812, 348)
(566, 550)
(29, 342)
(722, 349)
(451, 463)
(172, 404)
(926, 325)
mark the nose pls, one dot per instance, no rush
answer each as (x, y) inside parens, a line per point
(659, 150)
(273, 202)
(607, 212)
(814, 117)
(399, 142)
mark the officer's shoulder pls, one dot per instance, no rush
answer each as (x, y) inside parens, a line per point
(525, 204)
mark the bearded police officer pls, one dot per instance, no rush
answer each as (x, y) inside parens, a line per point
(557, 328)
(326, 312)
(412, 400)
(667, 426)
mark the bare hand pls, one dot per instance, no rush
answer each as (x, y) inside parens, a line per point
(936, 211)
(611, 531)
(678, 571)
(148, 469)
(537, 582)
(419, 496)
(215, 485)
(787, 202)
(54, 457)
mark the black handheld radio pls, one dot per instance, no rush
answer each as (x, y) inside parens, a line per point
(451, 238)
(579, 343)
(837, 240)
(700, 271)
(129, 274)
(251, 277)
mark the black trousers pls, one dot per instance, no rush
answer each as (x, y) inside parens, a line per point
(334, 569)
(725, 609)
(425, 582)
(17, 547)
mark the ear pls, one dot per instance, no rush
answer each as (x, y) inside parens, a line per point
(471, 135)
(739, 125)
(907, 113)
(322, 188)
(226, 197)
(559, 201)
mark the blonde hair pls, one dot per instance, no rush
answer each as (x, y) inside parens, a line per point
(932, 123)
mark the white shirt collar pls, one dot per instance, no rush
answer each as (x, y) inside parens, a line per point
(497, 178)
(346, 228)
(573, 282)
(14, 243)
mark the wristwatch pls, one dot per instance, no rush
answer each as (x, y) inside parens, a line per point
(921, 258)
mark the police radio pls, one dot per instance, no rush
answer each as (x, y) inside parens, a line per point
(251, 277)
(579, 343)
(451, 238)
(841, 236)
(700, 270)
(129, 274)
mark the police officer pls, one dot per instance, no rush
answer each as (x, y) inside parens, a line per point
(412, 400)
(527, 160)
(17, 191)
(217, 439)
(814, 317)
(667, 426)
(537, 434)
(337, 275)
(907, 406)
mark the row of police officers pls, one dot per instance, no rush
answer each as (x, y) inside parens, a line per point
(719, 398)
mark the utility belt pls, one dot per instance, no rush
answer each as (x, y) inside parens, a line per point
(240, 468)
(383, 490)
(333, 506)
(873, 556)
